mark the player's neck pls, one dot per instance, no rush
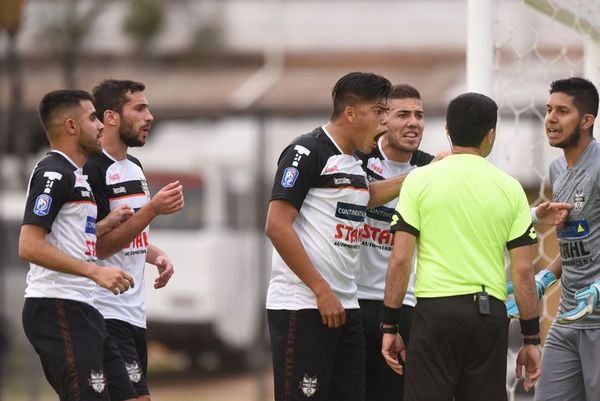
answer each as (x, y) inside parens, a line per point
(573, 153)
(340, 135)
(112, 144)
(456, 150)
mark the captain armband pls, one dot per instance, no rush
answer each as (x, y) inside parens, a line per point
(390, 315)
(530, 327)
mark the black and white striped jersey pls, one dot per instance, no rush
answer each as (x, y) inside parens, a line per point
(115, 183)
(330, 191)
(60, 199)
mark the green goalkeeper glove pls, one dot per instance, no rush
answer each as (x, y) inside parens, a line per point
(544, 279)
(588, 301)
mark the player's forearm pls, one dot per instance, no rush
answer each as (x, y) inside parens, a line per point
(42, 253)
(153, 253)
(524, 282)
(399, 269)
(381, 192)
(119, 237)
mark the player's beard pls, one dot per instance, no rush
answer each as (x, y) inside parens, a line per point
(569, 142)
(128, 136)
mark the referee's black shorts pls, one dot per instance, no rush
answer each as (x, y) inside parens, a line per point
(456, 352)
(79, 359)
(312, 361)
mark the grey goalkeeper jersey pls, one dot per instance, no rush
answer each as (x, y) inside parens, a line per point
(579, 238)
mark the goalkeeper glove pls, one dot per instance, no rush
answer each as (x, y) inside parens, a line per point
(544, 279)
(587, 301)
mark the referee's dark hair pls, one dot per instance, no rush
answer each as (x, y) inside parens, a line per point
(469, 117)
(111, 94)
(357, 87)
(57, 101)
(584, 93)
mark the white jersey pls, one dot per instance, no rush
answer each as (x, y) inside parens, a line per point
(330, 191)
(115, 183)
(60, 200)
(377, 239)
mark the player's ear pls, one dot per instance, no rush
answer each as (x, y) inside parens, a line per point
(349, 113)
(588, 121)
(111, 117)
(70, 126)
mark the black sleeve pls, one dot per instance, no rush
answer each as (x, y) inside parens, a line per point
(398, 224)
(49, 189)
(97, 180)
(298, 169)
(420, 158)
(528, 238)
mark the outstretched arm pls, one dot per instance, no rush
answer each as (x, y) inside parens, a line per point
(551, 213)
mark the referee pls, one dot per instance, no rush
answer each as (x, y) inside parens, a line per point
(462, 213)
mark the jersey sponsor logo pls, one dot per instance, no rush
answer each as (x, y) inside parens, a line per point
(42, 205)
(119, 190)
(145, 187)
(138, 246)
(290, 175)
(377, 235)
(579, 199)
(574, 230)
(90, 250)
(309, 385)
(381, 213)
(331, 169)
(348, 211)
(342, 181)
(300, 151)
(97, 381)
(574, 250)
(376, 167)
(348, 233)
(112, 178)
(90, 225)
(51, 176)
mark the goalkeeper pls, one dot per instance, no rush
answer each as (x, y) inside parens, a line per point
(572, 348)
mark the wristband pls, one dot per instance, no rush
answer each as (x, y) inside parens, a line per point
(390, 315)
(530, 327)
(388, 330)
(532, 341)
(534, 217)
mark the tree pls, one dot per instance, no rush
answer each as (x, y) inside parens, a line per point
(143, 22)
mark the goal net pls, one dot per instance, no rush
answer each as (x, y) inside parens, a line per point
(536, 42)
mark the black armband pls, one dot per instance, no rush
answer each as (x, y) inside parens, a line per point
(390, 315)
(530, 327)
(532, 341)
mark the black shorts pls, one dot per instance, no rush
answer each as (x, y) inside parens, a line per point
(381, 382)
(132, 344)
(456, 352)
(80, 361)
(312, 361)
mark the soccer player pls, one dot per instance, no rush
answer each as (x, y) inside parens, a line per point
(117, 179)
(571, 352)
(58, 238)
(315, 222)
(396, 154)
(462, 213)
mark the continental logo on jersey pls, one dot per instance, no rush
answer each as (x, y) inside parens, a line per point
(348, 211)
(90, 225)
(574, 230)
(42, 205)
(290, 175)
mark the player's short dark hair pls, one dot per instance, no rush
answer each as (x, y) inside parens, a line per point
(56, 101)
(357, 87)
(404, 91)
(111, 94)
(584, 93)
(469, 118)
